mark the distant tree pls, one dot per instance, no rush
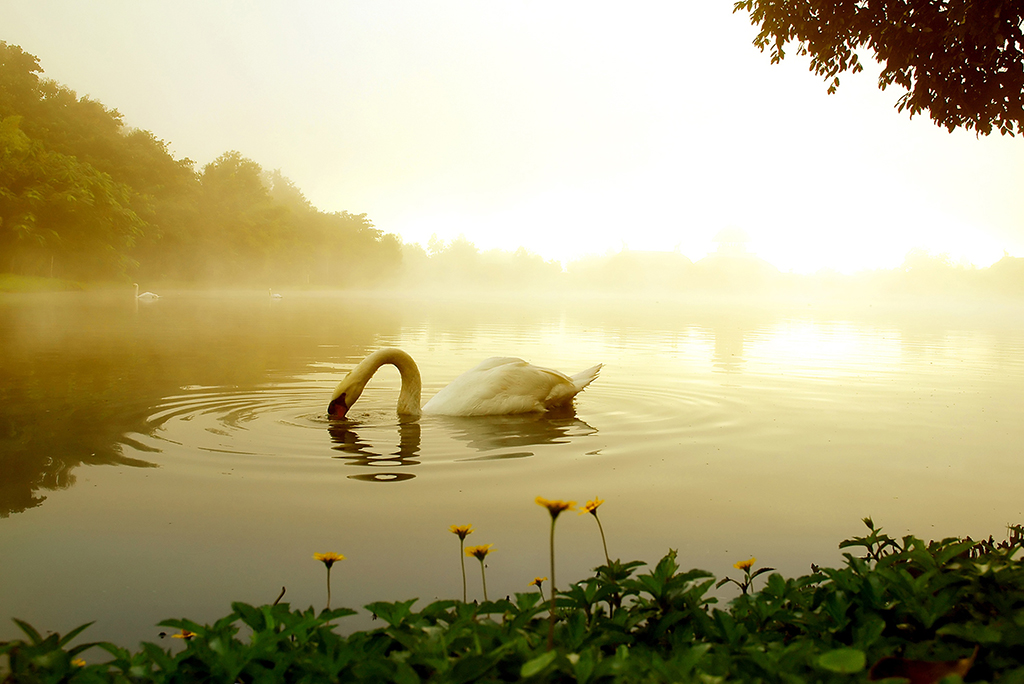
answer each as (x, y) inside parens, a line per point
(435, 245)
(284, 192)
(922, 261)
(82, 196)
(19, 81)
(60, 216)
(240, 231)
(960, 60)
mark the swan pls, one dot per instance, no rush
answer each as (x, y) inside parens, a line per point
(273, 295)
(144, 295)
(497, 386)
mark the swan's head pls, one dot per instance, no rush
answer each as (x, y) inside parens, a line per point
(345, 395)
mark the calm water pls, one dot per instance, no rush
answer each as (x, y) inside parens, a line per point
(162, 460)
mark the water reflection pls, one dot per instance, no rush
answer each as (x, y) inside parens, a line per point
(517, 431)
(729, 342)
(510, 436)
(357, 451)
(80, 372)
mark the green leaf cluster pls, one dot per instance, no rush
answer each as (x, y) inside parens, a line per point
(901, 600)
(962, 61)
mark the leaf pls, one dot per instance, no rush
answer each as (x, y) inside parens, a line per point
(29, 630)
(335, 613)
(392, 613)
(869, 630)
(73, 633)
(534, 667)
(973, 632)
(472, 668)
(843, 660)
(583, 668)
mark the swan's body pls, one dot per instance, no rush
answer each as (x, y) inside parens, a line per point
(497, 386)
(273, 295)
(145, 295)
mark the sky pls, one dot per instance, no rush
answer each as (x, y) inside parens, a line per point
(568, 128)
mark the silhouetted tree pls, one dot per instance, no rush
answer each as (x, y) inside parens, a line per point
(960, 60)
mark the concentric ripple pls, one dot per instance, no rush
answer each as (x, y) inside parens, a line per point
(280, 426)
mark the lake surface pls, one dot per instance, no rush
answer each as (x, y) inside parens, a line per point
(164, 459)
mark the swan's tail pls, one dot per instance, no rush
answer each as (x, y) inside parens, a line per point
(584, 378)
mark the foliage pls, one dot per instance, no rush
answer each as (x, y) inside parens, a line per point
(82, 196)
(940, 607)
(962, 61)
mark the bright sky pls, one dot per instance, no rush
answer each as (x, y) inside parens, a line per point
(568, 128)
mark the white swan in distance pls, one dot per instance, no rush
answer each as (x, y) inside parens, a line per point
(144, 295)
(497, 386)
(273, 295)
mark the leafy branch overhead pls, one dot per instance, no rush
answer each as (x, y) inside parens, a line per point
(962, 61)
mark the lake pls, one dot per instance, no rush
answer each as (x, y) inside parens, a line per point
(163, 459)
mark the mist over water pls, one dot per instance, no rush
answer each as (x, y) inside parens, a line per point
(162, 459)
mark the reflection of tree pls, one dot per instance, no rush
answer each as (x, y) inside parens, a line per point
(48, 429)
(79, 372)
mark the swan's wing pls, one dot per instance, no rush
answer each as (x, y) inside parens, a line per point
(496, 362)
(500, 385)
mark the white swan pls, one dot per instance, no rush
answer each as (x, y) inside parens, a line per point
(273, 295)
(497, 386)
(144, 295)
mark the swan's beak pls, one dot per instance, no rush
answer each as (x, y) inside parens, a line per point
(337, 408)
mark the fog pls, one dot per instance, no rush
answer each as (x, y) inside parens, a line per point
(731, 270)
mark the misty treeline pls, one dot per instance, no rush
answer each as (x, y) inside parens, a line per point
(83, 197)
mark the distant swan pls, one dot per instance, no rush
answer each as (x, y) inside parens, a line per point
(497, 386)
(273, 295)
(144, 295)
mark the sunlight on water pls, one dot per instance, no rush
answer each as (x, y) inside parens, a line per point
(166, 460)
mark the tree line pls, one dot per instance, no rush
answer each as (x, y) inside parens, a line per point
(85, 197)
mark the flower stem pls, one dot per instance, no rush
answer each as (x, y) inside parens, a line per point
(328, 587)
(462, 558)
(483, 576)
(551, 610)
(600, 528)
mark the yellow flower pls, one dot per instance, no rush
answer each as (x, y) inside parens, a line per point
(592, 506)
(537, 581)
(78, 662)
(555, 507)
(185, 634)
(328, 558)
(745, 565)
(462, 530)
(480, 552)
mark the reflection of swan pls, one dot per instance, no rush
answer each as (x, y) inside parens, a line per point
(519, 432)
(357, 452)
(273, 295)
(144, 295)
(497, 386)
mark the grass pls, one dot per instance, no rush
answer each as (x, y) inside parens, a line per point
(897, 607)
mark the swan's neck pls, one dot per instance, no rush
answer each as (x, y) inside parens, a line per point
(412, 385)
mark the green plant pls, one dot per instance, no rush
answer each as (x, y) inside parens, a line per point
(949, 607)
